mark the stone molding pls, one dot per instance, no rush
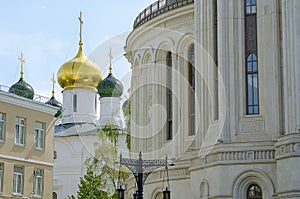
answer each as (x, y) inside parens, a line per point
(288, 146)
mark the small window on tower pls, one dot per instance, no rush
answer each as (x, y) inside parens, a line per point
(74, 103)
(95, 102)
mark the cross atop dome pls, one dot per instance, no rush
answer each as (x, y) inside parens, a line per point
(22, 60)
(110, 61)
(53, 83)
(80, 32)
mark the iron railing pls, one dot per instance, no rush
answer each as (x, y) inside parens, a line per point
(158, 8)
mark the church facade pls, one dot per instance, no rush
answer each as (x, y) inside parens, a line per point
(215, 88)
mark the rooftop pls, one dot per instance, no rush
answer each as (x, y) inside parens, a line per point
(158, 8)
(36, 98)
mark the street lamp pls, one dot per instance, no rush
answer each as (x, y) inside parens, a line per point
(166, 193)
(141, 169)
(121, 194)
(134, 195)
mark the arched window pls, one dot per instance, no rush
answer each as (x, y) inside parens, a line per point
(169, 96)
(191, 79)
(252, 85)
(251, 68)
(54, 195)
(254, 192)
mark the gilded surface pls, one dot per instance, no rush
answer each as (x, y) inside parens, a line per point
(79, 72)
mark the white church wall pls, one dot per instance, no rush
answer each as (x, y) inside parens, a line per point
(82, 109)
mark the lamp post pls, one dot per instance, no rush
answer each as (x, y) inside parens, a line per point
(141, 169)
(121, 194)
(166, 193)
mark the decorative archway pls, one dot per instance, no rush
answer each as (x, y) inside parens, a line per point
(157, 194)
(253, 177)
(204, 190)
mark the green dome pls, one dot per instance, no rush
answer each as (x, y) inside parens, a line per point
(23, 89)
(53, 102)
(110, 87)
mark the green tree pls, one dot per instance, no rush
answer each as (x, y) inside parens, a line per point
(90, 186)
(102, 171)
(127, 114)
(104, 161)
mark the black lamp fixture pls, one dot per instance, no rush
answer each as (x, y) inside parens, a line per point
(135, 195)
(120, 190)
(167, 193)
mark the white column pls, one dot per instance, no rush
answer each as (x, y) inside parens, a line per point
(205, 62)
(291, 64)
(227, 68)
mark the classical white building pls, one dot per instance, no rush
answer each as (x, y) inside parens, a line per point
(76, 132)
(215, 85)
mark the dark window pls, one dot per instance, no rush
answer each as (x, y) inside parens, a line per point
(54, 195)
(169, 96)
(75, 103)
(2, 126)
(96, 103)
(191, 76)
(55, 155)
(1, 177)
(251, 68)
(254, 192)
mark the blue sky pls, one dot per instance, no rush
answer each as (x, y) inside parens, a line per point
(47, 32)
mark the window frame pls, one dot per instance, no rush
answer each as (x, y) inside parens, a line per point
(169, 63)
(3, 126)
(192, 94)
(20, 129)
(252, 102)
(254, 197)
(1, 176)
(39, 143)
(15, 181)
(38, 182)
(75, 103)
(54, 195)
(253, 75)
(252, 4)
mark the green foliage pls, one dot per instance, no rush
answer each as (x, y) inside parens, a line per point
(105, 158)
(127, 113)
(110, 132)
(102, 171)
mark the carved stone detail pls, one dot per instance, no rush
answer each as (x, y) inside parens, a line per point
(256, 155)
(252, 127)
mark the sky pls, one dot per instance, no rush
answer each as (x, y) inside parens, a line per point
(47, 33)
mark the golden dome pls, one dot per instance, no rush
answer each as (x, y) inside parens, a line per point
(79, 72)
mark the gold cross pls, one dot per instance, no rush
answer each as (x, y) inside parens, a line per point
(53, 82)
(110, 61)
(22, 60)
(80, 33)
